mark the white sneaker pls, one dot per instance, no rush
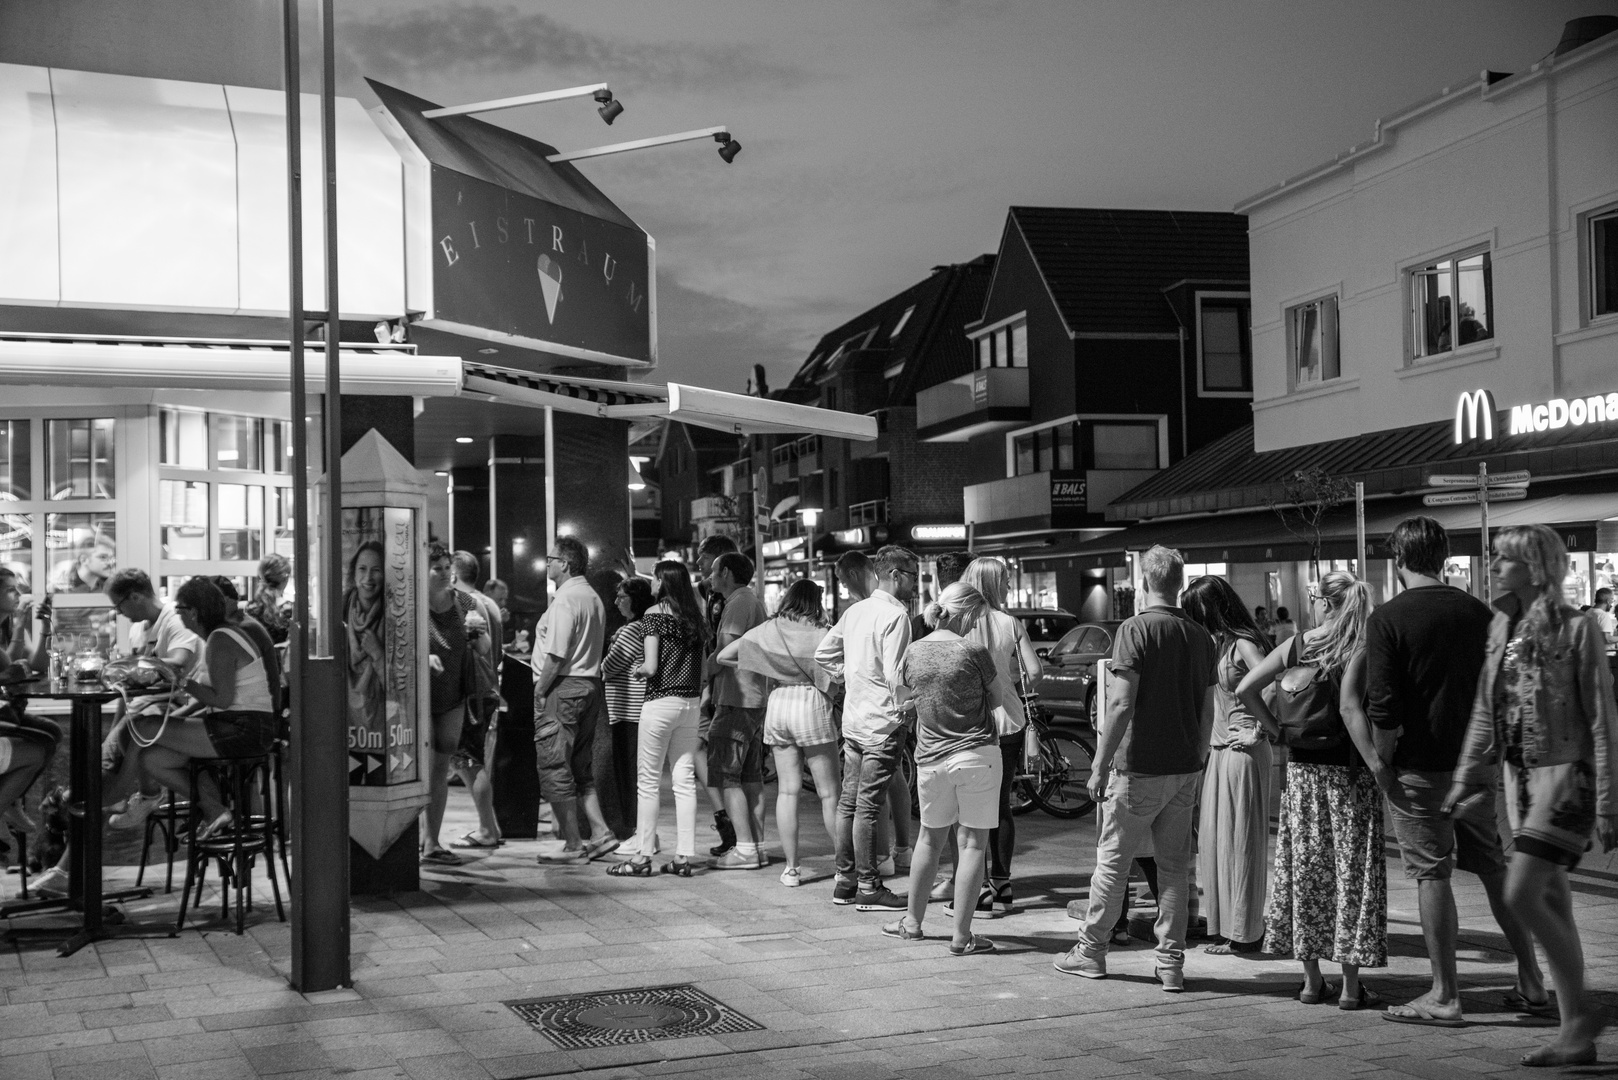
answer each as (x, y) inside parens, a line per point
(138, 808)
(792, 877)
(52, 882)
(901, 859)
(886, 867)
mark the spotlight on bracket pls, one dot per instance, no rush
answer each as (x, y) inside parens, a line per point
(611, 108)
(729, 147)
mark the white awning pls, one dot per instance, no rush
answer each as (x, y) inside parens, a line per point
(39, 360)
(738, 413)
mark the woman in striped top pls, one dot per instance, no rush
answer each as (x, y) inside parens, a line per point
(617, 753)
(675, 638)
(798, 724)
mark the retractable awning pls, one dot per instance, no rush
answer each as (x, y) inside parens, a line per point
(159, 363)
(737, 413)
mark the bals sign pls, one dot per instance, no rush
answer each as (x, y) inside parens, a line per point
(516, 265)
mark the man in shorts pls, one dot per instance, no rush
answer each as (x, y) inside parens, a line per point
(708, 553)
(1424, 650)
(736, 738)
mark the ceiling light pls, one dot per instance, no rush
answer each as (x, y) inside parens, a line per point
(463, 438)
(440, 472)
(487, 350)
(636, 481)
(610, 109)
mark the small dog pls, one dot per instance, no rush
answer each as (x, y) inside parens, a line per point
(47, 849)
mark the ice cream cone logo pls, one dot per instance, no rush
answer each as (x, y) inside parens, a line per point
(550, 283)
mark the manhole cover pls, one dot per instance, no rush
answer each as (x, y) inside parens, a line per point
(620, 1017)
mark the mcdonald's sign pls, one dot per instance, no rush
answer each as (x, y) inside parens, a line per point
(1474, 414)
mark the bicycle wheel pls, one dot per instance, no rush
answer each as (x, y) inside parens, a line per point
(1062, 774)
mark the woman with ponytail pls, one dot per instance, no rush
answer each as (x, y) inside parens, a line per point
(1544, 708)
(1329, 900)
(950, 680)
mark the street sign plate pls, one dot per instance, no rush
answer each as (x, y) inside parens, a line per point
(1505, 479)
(1457, 498)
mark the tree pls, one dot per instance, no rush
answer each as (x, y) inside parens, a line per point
(1307, 497)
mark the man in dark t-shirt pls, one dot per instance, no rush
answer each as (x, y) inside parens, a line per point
(1424, 650)
(1149, 759)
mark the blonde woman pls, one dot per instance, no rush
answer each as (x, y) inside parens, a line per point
(1013, 655)
(1329, 900)
(1544, 707)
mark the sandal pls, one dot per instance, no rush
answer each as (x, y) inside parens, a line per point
(902, 931)
(1327, 991)
(441, 857)
(977, 944)
(1517, 1001)
(1368, 999)
(631, 868)
(470, 840)
(679, 868)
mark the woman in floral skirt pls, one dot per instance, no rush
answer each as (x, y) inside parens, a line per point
(1329, 899)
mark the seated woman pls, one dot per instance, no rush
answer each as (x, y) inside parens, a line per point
(231, 712)
(26, 745)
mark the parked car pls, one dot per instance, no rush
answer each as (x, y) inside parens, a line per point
(1067, 686)
(1045, 626)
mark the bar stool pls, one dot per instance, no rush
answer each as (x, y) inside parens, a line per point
(174, 818)
(234, 846)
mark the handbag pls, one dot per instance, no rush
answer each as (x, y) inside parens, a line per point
(1027, 695)
(1306, 707)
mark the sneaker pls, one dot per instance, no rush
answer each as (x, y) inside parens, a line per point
(138, 808)
(727, 833)
(843, 893)
(985, 908)
(735, 860)
(901, 859)
(1074, 962)
(52, 882)
(1173, 980)
(880, 898)
(792, 877)
(943, 888)
(887, 867)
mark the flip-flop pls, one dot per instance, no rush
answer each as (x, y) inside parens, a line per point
(441, 857)
(470, 840)
(1514, 999)
(1417, 1014)
(604, 846)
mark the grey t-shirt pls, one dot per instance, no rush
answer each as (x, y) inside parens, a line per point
(1175, 660)
(953, 680)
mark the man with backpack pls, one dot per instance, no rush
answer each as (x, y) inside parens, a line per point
(1160, 709)
(1424, 651)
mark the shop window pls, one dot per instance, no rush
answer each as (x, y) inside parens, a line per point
(1043, 450)
(16, 460)
(1125, 446)
(281, 514)
(241, 522)
(1004, 346)
(1312, 342)
(1224, 346)
(183, 519)
(82, 550)
(238, 441)
(281, 446)
(79, 457)
(1451, 303)
(17, 548)
(1213, 569)
(1604, 264)
(184, 438)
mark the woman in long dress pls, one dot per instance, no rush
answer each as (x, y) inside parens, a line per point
(1233, 835)
(1330, 896)
(1544, 708)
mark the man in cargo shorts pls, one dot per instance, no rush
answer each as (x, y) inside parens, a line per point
(736, 739)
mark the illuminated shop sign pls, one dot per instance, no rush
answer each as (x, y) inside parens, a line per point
(937, 532)
(1475, 413)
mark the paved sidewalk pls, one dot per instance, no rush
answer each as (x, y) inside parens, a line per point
(432, 970)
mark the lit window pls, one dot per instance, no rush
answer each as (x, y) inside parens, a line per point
(82, 550)
(241, 522)
(1224, 341)
(183, 519)
(184, 439)
(238, 441)
(15, 461)
(80, 457)
(1451, 303)
(1604, 264)
(1312, 342)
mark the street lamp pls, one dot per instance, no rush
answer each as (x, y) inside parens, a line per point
(810, 516)
(609, 111)
(728, 148)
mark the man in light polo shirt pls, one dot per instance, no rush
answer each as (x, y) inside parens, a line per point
(569, 704)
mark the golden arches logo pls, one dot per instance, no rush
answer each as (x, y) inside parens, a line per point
(1473, 406)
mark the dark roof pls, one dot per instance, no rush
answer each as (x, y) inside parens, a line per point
(504, 158)
(1228, 473)
(1106, 269)
(929, 317)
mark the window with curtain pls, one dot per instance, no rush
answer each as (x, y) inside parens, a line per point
(1312, 342)
(1451, 304)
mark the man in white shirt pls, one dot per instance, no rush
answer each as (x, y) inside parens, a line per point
(1601, 611)
(569, 702)
(864, 649)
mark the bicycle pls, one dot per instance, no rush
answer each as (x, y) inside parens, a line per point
(1055, 771)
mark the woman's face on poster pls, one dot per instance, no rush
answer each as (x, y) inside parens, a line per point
(368, 576)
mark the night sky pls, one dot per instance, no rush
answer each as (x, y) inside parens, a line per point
(883, 138)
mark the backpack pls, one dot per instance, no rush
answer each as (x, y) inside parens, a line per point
(1306, 706)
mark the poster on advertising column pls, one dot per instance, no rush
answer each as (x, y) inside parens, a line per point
(1070, 500)
(379, 605)
(508, 262)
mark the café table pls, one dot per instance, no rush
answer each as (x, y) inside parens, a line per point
(86, 701)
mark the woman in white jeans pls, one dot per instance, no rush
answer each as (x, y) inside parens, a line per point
(675, 633)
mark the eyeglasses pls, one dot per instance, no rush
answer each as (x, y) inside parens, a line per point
(1314, 596)
(555, 558)
(902, 570)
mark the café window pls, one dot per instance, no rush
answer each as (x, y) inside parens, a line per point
(81, 551)
(1312, 342)
(1451, 304)
(1604, 264)
(1224, 346)
(183, 519)
(16, 460)
(1004, 346)
(222, 497)
(80, 459)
